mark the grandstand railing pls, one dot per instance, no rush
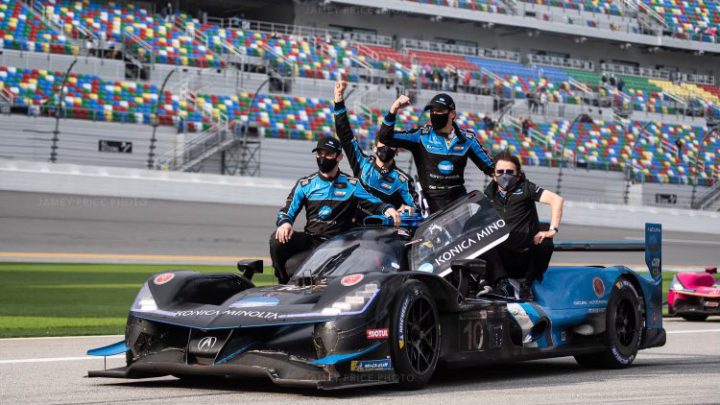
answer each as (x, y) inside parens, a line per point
(550, 60)
(635, 71)
(441, 47)
(694, 78)
(36, 9)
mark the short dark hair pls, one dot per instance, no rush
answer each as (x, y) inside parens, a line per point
(507, 156)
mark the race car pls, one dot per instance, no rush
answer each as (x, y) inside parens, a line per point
(381, 305)
(694, 296)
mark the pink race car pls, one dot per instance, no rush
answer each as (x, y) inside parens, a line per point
(694, 296)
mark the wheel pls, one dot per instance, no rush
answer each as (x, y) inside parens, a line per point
(415, 336)
(623, 330)
(694, 317)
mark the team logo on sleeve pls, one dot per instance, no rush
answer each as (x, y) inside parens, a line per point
(325, 212)
(445, 167)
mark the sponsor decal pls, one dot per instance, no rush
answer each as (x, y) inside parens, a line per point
(425, 268)
(467, 243)
(458, 148)
(598, 287)
(590, 302)
(215, 312)
(445, 167)
(375, 334)
(340, 193)
(291, 287)
(207, 343)
(370, 365)
(351, 280)
(255, 302)
(386, 186)
(401, 324)
(325, 212)
(163, 278)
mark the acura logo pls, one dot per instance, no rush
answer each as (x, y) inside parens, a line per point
(207, 343)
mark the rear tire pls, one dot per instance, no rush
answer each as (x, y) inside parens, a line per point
(623, 330)
(415, 335)
(694, 317)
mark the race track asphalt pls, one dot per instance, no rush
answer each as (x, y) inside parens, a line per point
(686, 370)
(47, 227)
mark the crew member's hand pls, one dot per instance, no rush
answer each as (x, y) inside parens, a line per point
(400, 103)
(394, 214)
(340, 87)
(284, 232)
(406, 208)
(541, 236)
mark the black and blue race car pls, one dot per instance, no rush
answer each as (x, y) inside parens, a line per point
(379, 305)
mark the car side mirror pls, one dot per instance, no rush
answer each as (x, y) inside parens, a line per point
(249, 267)
(711, 270)
(472, 266)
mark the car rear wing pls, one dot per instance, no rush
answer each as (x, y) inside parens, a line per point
(652, 248)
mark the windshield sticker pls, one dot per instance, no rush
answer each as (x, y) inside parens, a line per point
(351, 280)
(468, 242)
(163, 278)
(255, 302)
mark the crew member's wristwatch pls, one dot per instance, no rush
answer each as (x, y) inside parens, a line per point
(554, 228)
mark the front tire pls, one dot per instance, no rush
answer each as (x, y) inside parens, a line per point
(415, 335)
(623, 330)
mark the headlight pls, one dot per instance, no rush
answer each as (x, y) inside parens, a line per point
(676, 285)
(353, 302)
(144, 302)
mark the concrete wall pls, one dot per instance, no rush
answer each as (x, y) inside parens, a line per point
(28, 138)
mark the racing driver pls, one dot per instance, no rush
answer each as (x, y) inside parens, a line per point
(378, 173)
(440, 150)
(330, 198)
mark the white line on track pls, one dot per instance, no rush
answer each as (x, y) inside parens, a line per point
(55, 359)
(693, 331)
(82, 358)
(670, 240)
(62, 337)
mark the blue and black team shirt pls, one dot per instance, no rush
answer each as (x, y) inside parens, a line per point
(389, 184)
(441, 164)
(330, 205)
(517, 208)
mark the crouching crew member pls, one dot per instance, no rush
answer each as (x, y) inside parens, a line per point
(330, 198)
(378, 173)
(440, 149)
(527, 251)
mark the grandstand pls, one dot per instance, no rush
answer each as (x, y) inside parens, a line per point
(597, 101)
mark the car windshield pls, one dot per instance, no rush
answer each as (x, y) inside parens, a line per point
(349, 255)
(467, 229)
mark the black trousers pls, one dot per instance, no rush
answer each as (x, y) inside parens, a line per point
(529, 263)
(281, 253)
(439, 199)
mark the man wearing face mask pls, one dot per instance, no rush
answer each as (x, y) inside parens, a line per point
(440, 150)
(330, 198)
(378, 174)
(527, 251)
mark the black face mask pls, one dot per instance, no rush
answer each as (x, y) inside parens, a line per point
(326, 165)
(385, 153)
(439, 121)
(507, 181)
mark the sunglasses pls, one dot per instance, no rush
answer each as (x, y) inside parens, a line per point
(504, 171)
